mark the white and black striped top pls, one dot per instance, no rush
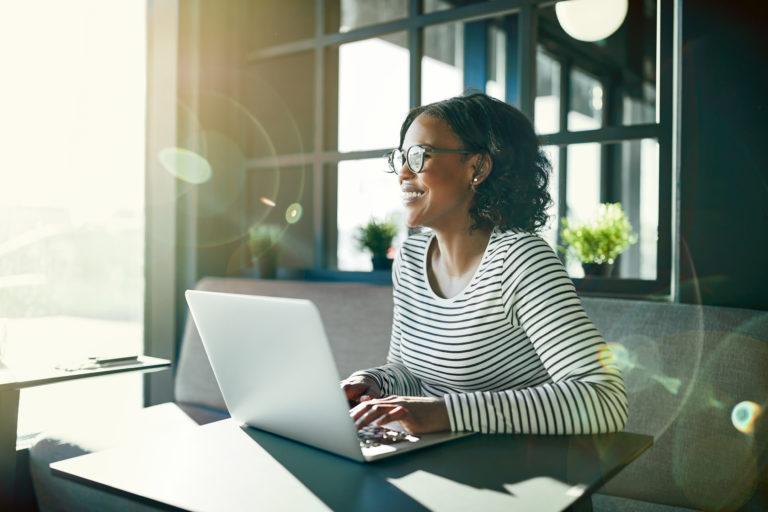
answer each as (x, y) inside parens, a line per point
(514, 352)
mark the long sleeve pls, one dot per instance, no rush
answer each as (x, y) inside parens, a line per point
(393, 377)
(584, 392)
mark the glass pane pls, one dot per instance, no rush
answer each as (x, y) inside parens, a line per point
(586, 102)
(466, 56)
(497, 62)
(279, 99)
(549, 233)
(72, 199)
(372, 68)
(623, 57)
(365, 191)
(346, 15)
(635, 178)
(547, 106)
(639, 161)
(278, 221)
(276, 22)
(442, 5)
(442, 66)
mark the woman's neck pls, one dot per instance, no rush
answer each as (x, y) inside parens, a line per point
(457, 251)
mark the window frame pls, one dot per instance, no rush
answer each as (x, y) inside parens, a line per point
(522, 43)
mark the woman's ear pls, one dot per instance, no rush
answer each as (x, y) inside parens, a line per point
(483, 168)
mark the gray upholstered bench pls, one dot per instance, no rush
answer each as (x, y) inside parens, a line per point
(686, 367)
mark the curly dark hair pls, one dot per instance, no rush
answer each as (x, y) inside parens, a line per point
(515, 195)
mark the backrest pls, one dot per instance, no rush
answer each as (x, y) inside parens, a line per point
(357, 320)
(690, 373)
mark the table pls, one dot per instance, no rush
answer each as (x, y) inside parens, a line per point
(227, 466)
(14, 379)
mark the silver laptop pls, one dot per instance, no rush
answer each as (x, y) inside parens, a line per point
(275, 369)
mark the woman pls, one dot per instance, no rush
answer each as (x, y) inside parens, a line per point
(488, 334)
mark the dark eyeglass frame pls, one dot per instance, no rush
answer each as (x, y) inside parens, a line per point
(425, 149)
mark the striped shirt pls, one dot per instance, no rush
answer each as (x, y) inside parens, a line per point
(514, 352)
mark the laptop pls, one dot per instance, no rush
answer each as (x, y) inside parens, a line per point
(276, 372)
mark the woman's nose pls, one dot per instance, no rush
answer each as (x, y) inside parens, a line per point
(405, 172)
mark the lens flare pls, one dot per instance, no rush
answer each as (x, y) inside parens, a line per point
(267, 201)
(185, 165)
(744, 416)
(293, 213)
(616, 354)
(670, 383)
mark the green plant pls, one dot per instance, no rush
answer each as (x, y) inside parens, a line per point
(262, 238)
(376, 236)
(601, 239)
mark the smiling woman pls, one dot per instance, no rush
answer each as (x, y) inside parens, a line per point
(488, 333)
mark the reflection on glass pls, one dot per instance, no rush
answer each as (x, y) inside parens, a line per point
(497, 62)
(636, 186)
(274, 22)
(378, 69)
(364, 191)
(443, 62)
(586, 102)
(547, 105)
(278, 102)
(549, 233)
(626, 60)
(360, 13)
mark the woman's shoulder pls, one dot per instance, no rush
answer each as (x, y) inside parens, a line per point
(515, 239)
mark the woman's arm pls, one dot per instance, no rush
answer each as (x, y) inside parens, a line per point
(394, 378)
(586, 394)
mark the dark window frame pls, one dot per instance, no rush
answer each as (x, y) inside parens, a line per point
(520, 85)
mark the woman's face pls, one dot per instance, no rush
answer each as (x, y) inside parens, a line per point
(445, 181)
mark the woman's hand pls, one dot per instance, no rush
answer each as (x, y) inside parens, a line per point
(419, 415)
(360, 388)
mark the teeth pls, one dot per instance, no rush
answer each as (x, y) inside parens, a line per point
(411, 195)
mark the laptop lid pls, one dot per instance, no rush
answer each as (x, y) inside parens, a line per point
(274, 366)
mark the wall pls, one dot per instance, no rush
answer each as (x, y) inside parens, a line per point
(724, 154)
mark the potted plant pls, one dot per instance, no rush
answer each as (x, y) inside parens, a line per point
(598, 242)
(377, 238)
(262, 242)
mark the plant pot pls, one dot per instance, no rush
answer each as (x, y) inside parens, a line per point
(381, 263)
(598, 269)
(266, 264)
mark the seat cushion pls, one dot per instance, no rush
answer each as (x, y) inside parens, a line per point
(87, 435)
(690, 372)
(604, 503)
(357, 320)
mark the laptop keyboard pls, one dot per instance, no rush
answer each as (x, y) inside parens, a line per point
(375, 435)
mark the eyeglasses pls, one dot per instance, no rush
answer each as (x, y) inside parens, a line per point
(414, 155)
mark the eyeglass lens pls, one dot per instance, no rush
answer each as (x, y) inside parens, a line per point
(415, 156)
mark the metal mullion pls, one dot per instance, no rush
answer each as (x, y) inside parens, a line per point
(605, 135)
(527, 38)
(415, 51)
(565, 106)
(318, 182)
(668, 94)
(467, 13)
(300, 159)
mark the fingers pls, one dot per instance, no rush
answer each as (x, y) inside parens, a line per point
(375, 412)
(353, 391)
(397, 413)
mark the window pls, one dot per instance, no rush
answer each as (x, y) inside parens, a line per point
(72, 200)
(602, 110)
